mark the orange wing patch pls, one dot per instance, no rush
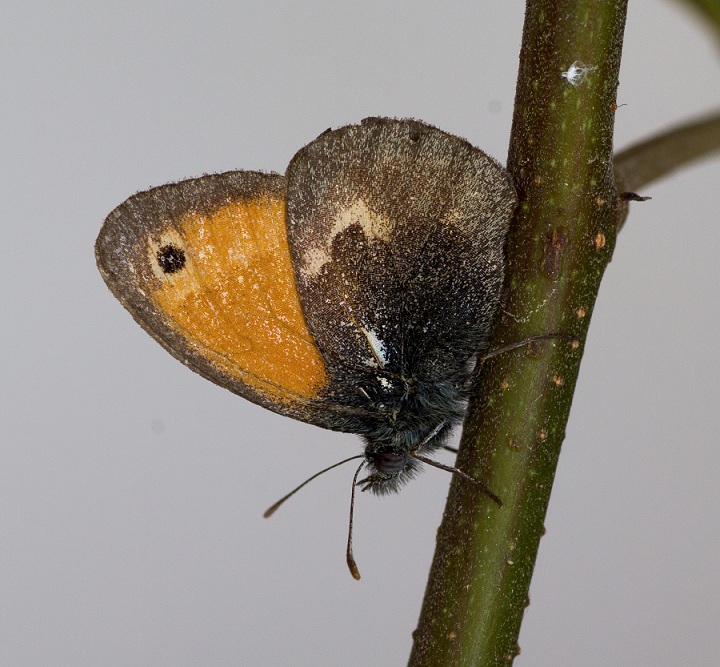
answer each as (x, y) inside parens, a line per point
(234, 296)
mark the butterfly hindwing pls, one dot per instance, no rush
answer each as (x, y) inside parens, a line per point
(397, 233)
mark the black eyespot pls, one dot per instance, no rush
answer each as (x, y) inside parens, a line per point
(171, 258)
(414, 135)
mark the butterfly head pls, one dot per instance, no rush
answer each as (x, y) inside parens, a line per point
(418, 423)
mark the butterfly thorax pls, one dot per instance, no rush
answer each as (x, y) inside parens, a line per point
(414, 420)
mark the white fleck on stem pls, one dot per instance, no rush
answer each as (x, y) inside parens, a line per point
(577, 72)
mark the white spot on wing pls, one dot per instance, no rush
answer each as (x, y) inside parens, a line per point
(314, 259)
(376, 345)
(374, 226)
(384, 382)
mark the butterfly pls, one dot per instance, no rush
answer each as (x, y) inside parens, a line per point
(356, 292)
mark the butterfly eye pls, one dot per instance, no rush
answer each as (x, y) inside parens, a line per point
(389, 462)
(171, 259)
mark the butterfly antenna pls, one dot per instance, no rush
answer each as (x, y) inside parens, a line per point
(522, 343)
(460, 473)
(352, 565)
(271, 510)
(472, 381)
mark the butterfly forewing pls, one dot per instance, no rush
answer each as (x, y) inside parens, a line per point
(204, 266)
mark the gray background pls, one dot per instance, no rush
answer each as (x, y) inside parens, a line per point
(131, 490)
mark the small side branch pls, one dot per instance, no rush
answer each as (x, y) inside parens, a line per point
(662, 154)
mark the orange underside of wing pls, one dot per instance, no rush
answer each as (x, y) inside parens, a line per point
(236, 301)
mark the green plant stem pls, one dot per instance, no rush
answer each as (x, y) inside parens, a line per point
(710, 9)
(560, 243)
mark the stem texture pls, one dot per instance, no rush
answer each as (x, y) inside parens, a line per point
(560, 243)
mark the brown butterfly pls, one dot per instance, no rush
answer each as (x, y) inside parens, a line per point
(354, 293)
